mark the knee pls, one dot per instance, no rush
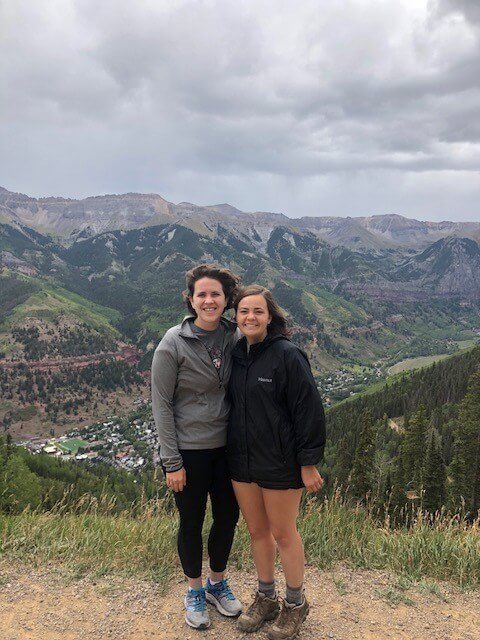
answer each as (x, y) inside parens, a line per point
(191, 526)
(285, 537)
(259, 533)
(226, 517)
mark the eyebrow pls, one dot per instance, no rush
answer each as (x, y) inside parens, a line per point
(254, 308)
(202, 291)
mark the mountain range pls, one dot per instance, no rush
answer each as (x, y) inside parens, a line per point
(68, 218)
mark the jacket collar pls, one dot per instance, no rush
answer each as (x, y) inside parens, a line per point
(240, 351)
(186, 330)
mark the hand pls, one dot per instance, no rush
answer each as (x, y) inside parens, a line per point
(312, 480)
(176, 480)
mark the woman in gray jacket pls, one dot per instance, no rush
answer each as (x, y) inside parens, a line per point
(190, 372)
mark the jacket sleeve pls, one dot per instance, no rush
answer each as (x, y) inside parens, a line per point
(306, 409)
(164, 378)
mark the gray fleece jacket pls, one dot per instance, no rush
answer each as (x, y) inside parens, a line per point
(189, 402)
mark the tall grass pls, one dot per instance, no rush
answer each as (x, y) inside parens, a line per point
(441, 547)
(96, 541)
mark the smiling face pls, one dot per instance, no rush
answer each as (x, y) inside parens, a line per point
(253, 318)
(209, 303)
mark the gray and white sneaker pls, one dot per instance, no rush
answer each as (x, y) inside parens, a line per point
(196, 615)
(220, 595)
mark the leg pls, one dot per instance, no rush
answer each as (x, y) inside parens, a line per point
(250, 499)
(225, 515)
(281, 507)
(264, 607)
(191, 504)
(220, 539)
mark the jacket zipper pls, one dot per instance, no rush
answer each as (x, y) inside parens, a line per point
(217, 371)
(247, 365)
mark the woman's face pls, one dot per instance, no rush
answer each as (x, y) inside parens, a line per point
(253, 318)
(209, 302)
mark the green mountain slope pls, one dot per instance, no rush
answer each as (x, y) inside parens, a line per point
(36, 311)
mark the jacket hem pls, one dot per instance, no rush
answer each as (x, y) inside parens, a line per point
(265, 484)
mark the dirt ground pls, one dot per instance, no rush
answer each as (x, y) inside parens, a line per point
(346, 604)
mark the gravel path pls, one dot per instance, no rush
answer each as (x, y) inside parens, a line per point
(346, 604)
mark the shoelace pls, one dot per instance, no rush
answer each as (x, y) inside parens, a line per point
(223, 590)
(196, 602)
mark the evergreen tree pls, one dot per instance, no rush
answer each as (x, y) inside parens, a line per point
(465, 467)
(398, 497)
(343, 464)
(363, 463)
(434, 476)
(413, 448)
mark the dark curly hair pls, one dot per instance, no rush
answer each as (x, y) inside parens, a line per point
(229, 281)
(278, 324)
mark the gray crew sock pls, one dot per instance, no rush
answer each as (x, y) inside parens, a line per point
(294, 596)
(267, 588)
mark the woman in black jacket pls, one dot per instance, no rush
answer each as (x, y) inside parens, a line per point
(276, 437)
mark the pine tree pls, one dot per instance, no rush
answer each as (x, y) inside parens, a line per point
(398, 497)
(434, 476)
(363, 463)
(465, 467)
(413, 448)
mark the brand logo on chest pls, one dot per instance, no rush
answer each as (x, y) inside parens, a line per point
(265, 379)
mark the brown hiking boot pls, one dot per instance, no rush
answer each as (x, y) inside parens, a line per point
(261, 610)
(288, 623)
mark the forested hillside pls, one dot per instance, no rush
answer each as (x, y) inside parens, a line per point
(415, 441)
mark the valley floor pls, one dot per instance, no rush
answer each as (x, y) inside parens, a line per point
(346, 604)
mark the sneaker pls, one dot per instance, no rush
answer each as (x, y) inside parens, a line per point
(261, 610)
(196, 615)
(221, 596)
(288, 623)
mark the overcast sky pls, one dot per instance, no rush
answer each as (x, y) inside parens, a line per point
(343, 107)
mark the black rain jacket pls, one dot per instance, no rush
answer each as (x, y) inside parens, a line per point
(277, 422)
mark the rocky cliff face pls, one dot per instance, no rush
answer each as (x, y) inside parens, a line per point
(447, 267)
(64, 217)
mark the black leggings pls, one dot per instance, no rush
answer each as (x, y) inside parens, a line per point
(207, 474)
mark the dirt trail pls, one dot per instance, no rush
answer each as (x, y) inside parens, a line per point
(366, 605)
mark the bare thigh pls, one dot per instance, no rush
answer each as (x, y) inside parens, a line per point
(281, 507)
(250, 500)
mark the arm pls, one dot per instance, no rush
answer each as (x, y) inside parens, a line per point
(308, 417)
(164, 377)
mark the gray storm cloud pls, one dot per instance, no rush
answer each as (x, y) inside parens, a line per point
(348, 107)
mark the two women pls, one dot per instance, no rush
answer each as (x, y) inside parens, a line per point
(276, 434)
